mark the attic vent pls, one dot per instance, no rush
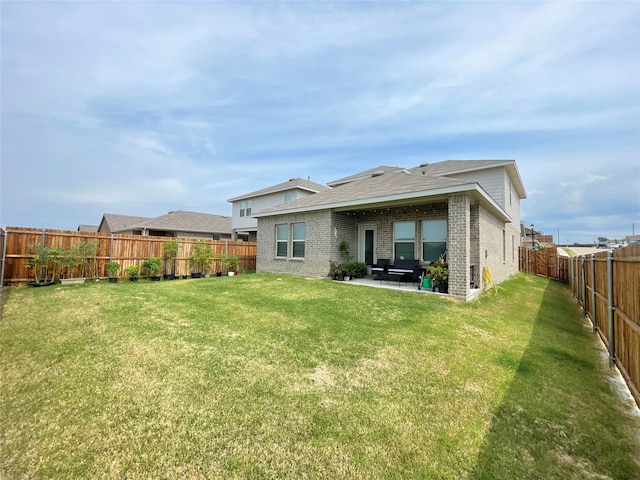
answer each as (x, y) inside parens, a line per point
(292, 179)
(378, 173)
(424, 164)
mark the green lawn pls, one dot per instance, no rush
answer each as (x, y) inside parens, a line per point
(259, 376)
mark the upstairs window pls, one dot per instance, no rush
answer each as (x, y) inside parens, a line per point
(404, 240)
(434, 240)
(245, 208)
(288, 196)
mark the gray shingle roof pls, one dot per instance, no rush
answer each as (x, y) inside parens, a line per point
(184, 221)
(372, 190)
(121, 222)
(367, 173)
(291, 184)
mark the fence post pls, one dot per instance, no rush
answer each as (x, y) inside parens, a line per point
(612, 350)
(583, 279)
(593, 294)
(4, 257)
(42, 246)
(527, 260)
(111, 248)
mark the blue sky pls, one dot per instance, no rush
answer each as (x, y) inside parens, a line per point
(140, 108)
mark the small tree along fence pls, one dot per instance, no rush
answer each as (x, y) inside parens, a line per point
(607, 286)
(125, 249)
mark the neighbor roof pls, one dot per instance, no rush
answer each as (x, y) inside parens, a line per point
(120, 222)
(298, 183)
(393, 187)
(184, 221)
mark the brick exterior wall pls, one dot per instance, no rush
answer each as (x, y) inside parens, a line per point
(326, 230)
(501, 260)
(474, 245)
(472, 231)
(458, 256)
(319, 245)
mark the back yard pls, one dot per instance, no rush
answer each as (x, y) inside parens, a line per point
(260, 376)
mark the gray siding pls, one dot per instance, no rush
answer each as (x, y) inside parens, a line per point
(261, 203)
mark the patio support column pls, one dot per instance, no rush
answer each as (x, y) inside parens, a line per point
(459, 245)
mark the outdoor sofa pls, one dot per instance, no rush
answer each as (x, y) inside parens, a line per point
(401, 270)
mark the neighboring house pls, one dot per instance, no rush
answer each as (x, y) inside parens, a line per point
(87, 228)
(244, 223)
(466, 209)
(174, 224)
(125, 224)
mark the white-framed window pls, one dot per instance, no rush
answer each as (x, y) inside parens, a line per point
(245, 208)
(434, 239)
(288, 196)
(298, 235)
(404, 240)
(282, 239)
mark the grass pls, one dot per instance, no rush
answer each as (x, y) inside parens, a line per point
(260, 376)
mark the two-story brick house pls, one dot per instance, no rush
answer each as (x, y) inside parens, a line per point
(469, 209)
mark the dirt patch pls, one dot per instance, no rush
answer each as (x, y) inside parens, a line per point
(322, 378)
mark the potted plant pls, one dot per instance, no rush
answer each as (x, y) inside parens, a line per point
(222, 265)
(336, 271)
(69, 259)
(86, 255)
(112, 270)
(43, 262)
(232, 265)
(439, 274)
(355, 269)
(169, 252)
(201, 256)
(132, 272)
(153, 265)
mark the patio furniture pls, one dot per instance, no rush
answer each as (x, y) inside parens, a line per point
(402, 270)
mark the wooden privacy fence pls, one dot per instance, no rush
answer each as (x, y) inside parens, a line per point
(125, 249)
(607, 286)
(545, 262)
